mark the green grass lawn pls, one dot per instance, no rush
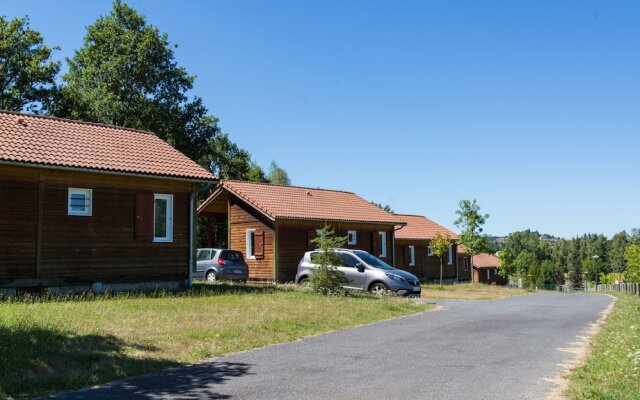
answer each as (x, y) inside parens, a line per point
(469, 291)
(612, 370)
(63, 343)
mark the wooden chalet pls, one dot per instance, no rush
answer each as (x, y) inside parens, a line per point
(273, 225)
(485, 269)
(414, 253)
(89, 205)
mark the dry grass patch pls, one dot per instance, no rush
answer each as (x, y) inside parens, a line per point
(469, 291)
(55, 344)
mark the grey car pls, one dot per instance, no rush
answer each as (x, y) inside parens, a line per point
(217, 264)
(365, 272)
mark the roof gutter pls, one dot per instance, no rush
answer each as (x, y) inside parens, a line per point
(106, 172)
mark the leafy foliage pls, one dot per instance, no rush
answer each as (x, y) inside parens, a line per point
(470, 222)
(632, 255)
(327, 279)
(278, 175)
(440, 246)
(385, 207)
(27, 75)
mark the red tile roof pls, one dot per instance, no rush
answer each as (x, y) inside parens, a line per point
(419, 227)
(485, 260)
(56, 142)
(294, 202)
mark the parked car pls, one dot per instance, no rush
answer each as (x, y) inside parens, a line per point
(365, 272)
(217, 264)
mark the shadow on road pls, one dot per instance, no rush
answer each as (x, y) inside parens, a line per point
(191, 382)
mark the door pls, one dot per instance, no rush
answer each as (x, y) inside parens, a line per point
(201, 260)
(356, 278)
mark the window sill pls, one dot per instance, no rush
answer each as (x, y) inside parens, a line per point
(162, 240)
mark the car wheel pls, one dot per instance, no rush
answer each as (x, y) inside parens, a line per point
(378, 288)
(211, 277)
(304, 281)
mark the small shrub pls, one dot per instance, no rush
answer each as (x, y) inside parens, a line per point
(327, 279)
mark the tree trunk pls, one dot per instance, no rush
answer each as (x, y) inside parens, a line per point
(440, 271)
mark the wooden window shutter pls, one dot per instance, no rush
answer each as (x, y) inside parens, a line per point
(144, 217)
(375, 243)
(311, 234)
(259, 244)
(407, 256)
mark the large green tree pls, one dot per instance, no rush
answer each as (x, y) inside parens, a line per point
(632, 255)
(470, 221)
(27, 73)
(616, 252)
(126, 74)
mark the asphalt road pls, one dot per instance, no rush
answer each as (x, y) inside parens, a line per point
(499, 349)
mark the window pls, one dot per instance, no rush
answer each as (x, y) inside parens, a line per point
(450, 255)
(352, 238)
(348, 260)
(383, 244)
(466, 263)
(231, 255)
(80, 202)
(412, 256)
(430, 250)
(251, 243)
(203, 255)
(163, 218)
(488, 274)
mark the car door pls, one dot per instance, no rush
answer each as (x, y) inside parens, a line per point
(201, 260)
(357, 278)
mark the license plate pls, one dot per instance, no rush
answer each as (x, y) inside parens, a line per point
(237, 271)
(416, 288)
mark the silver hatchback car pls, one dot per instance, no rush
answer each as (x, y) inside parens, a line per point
(215, 264)
(365, 272)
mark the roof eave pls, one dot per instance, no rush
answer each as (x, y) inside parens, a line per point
(108, 172)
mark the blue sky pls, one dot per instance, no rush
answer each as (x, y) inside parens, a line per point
(532, 108)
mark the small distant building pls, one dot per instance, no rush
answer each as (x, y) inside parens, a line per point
(414, 253)
(485, 269)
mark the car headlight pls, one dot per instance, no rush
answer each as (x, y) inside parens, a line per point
(396, 277)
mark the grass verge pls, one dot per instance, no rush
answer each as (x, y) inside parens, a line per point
(612, 369)
(59, 343)
(469, 291)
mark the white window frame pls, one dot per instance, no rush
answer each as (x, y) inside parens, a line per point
(466, 263)
(353, 238)
(169, 216)
(488, 274)
(88, 207)
(412, 256)
(383, 243)
(250, 236)
(450, 255)
(430, 251)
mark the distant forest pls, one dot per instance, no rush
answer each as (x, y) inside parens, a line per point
(546, 259)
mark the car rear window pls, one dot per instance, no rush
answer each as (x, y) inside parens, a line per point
(230, 255)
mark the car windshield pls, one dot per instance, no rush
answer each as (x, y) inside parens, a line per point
(371, 260)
